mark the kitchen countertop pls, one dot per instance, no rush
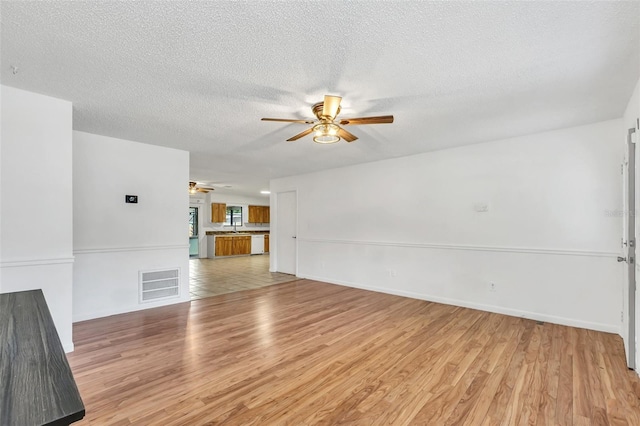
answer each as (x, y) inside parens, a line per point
(239, 234)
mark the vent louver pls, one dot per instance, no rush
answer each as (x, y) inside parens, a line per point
(158, 285)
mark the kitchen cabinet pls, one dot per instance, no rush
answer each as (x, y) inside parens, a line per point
(218, 212)
(259, 214)
(241, 245)
(266, 243)
(233, 245)
(224, 246)
(255, 214)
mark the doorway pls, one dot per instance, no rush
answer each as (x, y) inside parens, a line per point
(629, 241)
(286, 232)
(194, 242)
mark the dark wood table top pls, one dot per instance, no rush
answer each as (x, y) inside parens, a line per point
(36, 383)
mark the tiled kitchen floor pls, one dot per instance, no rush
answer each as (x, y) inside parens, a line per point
(211, 277)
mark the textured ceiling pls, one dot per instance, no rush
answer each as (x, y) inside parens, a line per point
(199, 76)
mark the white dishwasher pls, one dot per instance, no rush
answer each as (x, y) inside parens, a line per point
(257, 244)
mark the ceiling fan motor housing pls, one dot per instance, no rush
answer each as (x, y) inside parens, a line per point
(317, 111)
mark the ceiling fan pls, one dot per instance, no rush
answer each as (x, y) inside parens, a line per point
(193, 188)
(326, 127)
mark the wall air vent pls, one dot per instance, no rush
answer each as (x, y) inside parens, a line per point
(159, 284)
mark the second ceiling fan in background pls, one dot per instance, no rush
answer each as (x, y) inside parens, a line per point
(194, 188)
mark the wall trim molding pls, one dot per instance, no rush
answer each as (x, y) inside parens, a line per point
(506, 249)
(128, 249)
(22, 263)
(571, 322)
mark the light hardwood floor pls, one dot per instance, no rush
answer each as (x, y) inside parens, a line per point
(305, 352)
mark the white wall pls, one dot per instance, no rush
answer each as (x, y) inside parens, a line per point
(113, 240)
(410, 226)
(36, 201)
(631, 115)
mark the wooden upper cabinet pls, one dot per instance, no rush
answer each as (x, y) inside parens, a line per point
(218, 212)
(259, 214)
(255, 214)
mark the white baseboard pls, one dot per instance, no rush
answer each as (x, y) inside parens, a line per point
(68, 347)
(607, 328)
(127, 309)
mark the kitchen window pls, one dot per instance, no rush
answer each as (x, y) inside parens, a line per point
(234, 216)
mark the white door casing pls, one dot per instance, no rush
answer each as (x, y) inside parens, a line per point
(286, 237)
(629, 248)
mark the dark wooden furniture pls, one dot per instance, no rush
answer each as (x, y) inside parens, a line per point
(36, 383)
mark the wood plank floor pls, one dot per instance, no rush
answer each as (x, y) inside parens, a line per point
(305, 352)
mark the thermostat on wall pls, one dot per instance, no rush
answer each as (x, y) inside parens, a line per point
(131, 199)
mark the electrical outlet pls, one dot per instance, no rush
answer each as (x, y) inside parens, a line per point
(392, 272)
(481, 207)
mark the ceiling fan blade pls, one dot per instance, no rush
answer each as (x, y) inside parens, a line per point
(288, 120)
(349, 137)
(367, 120)
(206, 187)
(203, 190)
(330, 106)
(300, 135)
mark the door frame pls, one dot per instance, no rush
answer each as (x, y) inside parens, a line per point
(202, 240)
(629, 240)
(275, 236)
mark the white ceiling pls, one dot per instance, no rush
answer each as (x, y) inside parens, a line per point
(199, 76)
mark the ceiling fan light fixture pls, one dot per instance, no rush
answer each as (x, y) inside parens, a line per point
(324, 128)
(326, 133)
(194, 189)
